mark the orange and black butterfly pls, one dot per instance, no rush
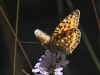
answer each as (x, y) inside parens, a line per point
(65, 37)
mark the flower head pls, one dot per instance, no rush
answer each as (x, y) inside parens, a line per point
(50, 63)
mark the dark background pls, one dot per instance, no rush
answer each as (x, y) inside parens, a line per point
(46, 14)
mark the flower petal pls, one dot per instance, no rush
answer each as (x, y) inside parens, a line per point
(65, 63)
(48, 58)
(58, 69)
(54, 59)
(44, 73)
(44, 64)
(58, 73)
(37, 65)
(48, 53)
(35, 70)
(37, 74)
(43, 56)
(40, 59)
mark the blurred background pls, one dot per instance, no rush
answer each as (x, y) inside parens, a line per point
(46, 15)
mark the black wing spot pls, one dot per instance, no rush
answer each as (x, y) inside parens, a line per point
(66, 21)
(78, 41)
(71, 16)
(71, 36)
(68, 26)
(65, 32)
(70, 41)
(63, 22)
(62, 31)
(76, 35)
(59, 26)
(56, 30)
(64, 26)
(66, 17)
(75, 39)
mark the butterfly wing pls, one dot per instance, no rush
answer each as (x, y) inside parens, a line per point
(42, 36)
(69, 43)
(70, 22)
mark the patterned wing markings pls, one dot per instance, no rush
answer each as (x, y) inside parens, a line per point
(69, 43)
(71, 21)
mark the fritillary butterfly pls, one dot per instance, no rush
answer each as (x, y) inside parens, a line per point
(65, 37)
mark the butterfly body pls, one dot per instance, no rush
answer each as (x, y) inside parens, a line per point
(65, 37)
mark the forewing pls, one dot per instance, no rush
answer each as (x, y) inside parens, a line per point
(70, 22)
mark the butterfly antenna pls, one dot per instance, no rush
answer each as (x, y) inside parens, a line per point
(95, 11)
(30, 42)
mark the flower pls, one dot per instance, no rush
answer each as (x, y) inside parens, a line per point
(49, 64)
(57, 71)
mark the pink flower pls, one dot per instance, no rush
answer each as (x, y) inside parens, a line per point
(48, 64)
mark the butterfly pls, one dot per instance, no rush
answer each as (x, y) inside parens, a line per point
(65, 37)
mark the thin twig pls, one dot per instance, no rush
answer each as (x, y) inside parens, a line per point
(14, 69)
(25, 72)
(96, 14)
(30, 42)
(16, 38)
